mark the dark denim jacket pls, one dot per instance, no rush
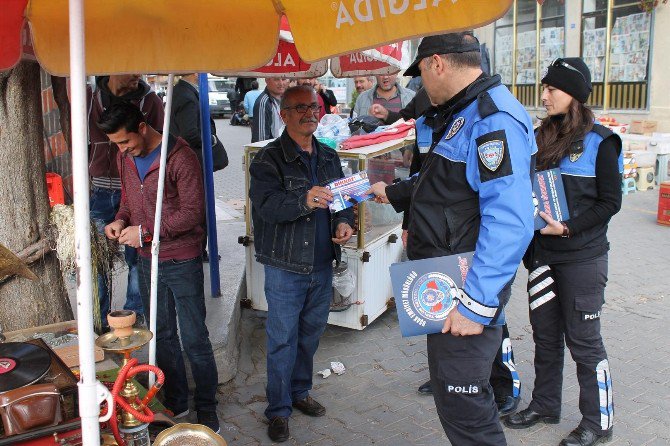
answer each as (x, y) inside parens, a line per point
(283, 224)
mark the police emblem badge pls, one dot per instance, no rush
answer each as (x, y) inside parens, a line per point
(434, 296)
(576, 151)
(455, 127)
(491, 154)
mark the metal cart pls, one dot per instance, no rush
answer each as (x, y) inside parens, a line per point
(375, 246)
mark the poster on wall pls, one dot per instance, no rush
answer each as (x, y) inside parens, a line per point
(525, 60)
(593, 52)
(629, 49)
(551, 46)
(503, 58)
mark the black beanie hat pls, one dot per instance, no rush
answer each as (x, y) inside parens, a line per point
(570, 75)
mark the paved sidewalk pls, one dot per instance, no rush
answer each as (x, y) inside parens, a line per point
(376, 401)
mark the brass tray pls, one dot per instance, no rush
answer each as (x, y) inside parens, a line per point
(109, 342)
(186, 434)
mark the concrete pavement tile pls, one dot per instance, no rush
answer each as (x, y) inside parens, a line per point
(432, 439)
(351, 419)
(412, 431)
(395, 440)
(306, 435)
(233, 410)
(656, 426)
(636, 437)
(248, 421)
(657, 442)
(338, 432)
(389, 419)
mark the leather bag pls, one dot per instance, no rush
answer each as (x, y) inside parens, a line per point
(30, 407)
(219, 155)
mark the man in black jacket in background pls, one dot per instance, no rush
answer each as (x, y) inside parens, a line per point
(185, 119)
(185, 122)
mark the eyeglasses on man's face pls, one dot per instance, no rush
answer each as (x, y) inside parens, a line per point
(302, 108)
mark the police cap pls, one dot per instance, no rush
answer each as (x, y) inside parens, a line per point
(463, 42)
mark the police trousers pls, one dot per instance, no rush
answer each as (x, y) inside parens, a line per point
(504, 376)
(460, 368)
(565, 305)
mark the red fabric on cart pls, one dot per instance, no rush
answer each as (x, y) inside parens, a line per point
(396, 132)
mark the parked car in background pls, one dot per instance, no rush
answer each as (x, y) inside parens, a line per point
(221, 93)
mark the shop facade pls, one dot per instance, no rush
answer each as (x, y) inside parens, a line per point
(625, 47)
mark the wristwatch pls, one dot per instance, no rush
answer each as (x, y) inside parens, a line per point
(566, 230)
(145, 236)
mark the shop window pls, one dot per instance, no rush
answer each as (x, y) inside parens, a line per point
(520, 73)
(504, 47)
(627, 78)
(526, 42)
(552, 33)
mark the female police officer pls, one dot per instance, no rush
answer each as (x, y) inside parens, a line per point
(567, 260)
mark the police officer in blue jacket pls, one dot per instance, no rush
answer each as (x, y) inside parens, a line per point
(567, 260)
(504, 376)
(473, 193)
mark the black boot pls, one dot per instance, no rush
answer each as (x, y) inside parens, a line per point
(585, 437)
(425, 388)
(507, 405)
(527, 418)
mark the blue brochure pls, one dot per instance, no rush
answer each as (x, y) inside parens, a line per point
(425, 291)
(349, 191)
(549, 196)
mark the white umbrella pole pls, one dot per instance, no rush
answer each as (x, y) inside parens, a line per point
(155, 245)
(88, 402)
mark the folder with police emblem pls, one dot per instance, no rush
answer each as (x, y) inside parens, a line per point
(426, 291)
(549, 196)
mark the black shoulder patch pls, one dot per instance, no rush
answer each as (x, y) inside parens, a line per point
(485, 105)
(605, 133)
(493, 153)
(602, 131)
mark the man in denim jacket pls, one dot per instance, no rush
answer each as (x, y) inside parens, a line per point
(296, 238)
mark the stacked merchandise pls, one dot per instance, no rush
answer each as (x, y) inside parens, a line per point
(611, 123)
(629, 165)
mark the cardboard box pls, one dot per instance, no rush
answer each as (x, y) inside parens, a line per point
(619, 129)
(649, 127)
(70, 354)
(643, 127)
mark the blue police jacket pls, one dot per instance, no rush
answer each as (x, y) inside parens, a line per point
(473, 192)
(584, 195)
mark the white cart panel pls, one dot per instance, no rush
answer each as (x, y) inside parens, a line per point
(373, 287)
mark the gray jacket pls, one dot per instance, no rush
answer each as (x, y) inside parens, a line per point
(364, 100)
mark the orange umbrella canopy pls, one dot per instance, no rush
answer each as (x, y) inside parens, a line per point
(149, 36)
(385, 59)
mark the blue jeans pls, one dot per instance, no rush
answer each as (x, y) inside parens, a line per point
(104, 203)
(298, 306)
(181, 296)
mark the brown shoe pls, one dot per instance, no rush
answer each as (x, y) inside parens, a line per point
(278, 429)
(309, 406)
